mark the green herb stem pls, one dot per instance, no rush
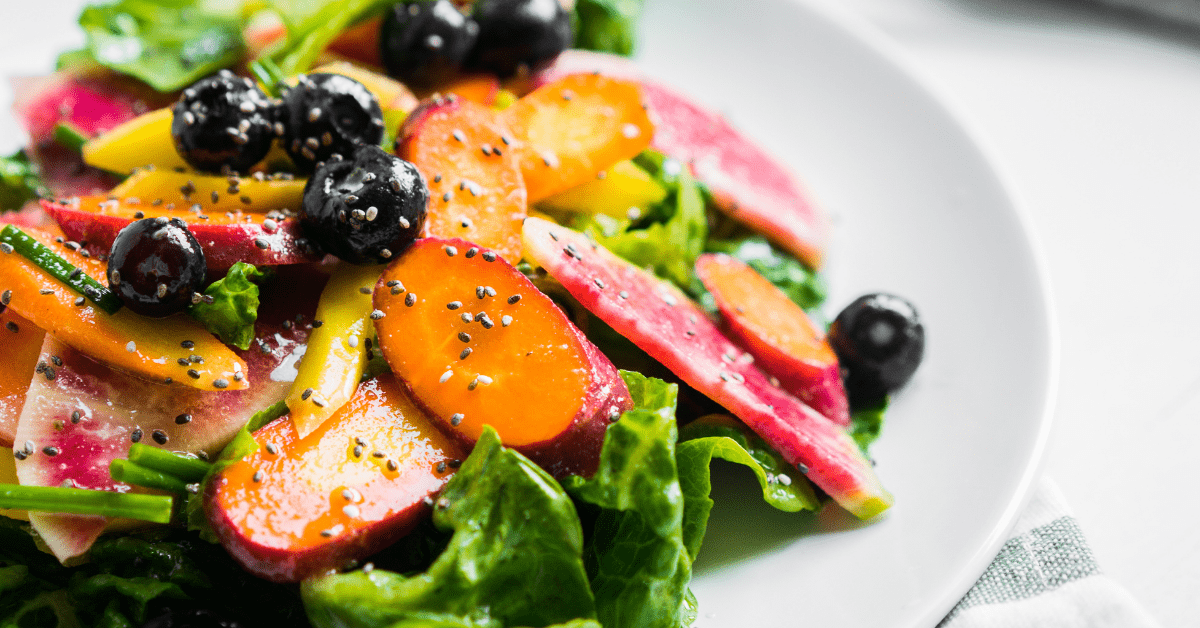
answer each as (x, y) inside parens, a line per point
(82, 501)
(45, 258)
(69, 136)
(183, 467)
(128, 472)
(268, 74)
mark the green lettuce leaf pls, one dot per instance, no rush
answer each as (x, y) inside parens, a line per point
(312, 24)
(19, 181)
(515, 557)
(169, 44)
(234, 306)
(607, 25)
(802, 285)
(718, 436)
(672, 234)
(636, 558)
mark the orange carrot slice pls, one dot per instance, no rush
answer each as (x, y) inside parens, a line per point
(576, 127)
(468, 159)
(22, 341)
(302, 506)
(479, 345)
(152, 348)
(780, 336)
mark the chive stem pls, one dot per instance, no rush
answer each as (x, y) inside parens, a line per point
(46, 259)
(183, 467)
(266, 415)
(128, 472)
(82, 501)
(69, 136)
(268, 74)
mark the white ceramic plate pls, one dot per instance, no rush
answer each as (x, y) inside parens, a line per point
(919, 211)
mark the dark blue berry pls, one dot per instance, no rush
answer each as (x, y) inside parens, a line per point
(518, 36)
(155, 265)
(223, 123)
(328, 114)
(423, 43)
(879, 341)
(365, 210)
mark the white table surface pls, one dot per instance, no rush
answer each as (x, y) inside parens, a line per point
(1095, 115)
(1096, 118)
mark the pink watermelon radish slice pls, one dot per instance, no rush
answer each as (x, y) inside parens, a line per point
(664, 323)
(780, 336)
(227, 238)
(92, 103)
(79, 414)
(746, 181)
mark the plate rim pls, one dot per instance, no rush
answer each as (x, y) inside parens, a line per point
(889, 52)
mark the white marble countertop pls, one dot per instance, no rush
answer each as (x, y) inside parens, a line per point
(1095, 115)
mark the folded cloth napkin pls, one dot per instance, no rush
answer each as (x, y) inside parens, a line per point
(1046, 575)
(1185, 11)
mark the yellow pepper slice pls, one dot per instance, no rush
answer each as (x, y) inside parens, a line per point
(624, 186)
(336, 356)
(142, 141)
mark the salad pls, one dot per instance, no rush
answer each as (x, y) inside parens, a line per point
(364, 313)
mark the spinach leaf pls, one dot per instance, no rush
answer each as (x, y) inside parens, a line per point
(169, 44)
(719, 436)
(670, 237)
(607, 25)
(515, 557)
(128, 579)
(19, 181)
(867, 422)
(234, 306)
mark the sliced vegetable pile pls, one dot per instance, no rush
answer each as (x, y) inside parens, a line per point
(404, 303)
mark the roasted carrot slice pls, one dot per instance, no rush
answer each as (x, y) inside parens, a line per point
(301, 506)
(480, 88)
(780, 336)
(468, 159)
(152, 348)
(22, 342)
(479, 345)
(576, 127)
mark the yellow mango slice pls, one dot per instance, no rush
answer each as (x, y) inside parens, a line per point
(142, 141)
(623, 186)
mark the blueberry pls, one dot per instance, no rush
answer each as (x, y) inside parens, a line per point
(879, 341)
(155, 265)
(424, 43)
(518, 36)
(223, 123)
(365, 210)
(328, 114)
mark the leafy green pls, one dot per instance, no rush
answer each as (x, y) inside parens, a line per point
(312, 24)
(515, 557)
(169, 44)
(19, 181)
(670, 237)
(607, 25)
(802, 285)
(866, 423)
(127, 579)
(234, 305)
(718, 436)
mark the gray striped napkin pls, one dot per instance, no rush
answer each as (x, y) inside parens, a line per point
(1046, 575)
